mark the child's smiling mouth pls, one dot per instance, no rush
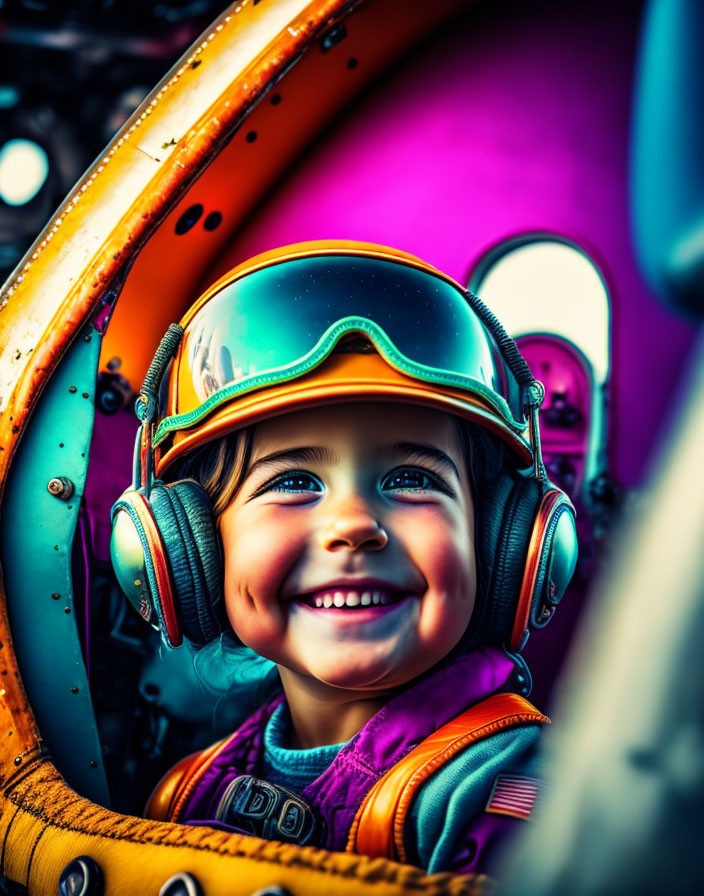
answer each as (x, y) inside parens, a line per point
(346, 598)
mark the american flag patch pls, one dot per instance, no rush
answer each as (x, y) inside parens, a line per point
(514, 795)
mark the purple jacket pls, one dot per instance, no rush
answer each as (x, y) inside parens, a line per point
(407, 719)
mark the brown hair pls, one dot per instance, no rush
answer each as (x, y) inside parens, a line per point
(219, 467)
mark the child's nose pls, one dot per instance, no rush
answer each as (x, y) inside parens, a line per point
(355, 529)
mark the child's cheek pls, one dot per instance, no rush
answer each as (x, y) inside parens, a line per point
(442, 545)
(260, 549)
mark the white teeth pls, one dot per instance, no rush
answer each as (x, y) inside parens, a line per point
(375, 597)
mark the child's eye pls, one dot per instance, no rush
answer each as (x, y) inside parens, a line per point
(412, 479)
(294, 482)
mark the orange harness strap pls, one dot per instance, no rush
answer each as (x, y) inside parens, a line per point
(171, 792)
(377, 829)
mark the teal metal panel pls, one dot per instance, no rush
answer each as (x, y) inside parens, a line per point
(36, 536)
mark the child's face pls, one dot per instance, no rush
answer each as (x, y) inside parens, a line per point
(367, 502)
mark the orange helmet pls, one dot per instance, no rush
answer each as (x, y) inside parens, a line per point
(270, 336)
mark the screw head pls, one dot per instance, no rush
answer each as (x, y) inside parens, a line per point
(60, 487)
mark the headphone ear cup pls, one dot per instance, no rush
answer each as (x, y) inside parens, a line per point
(550, 565)
(184, 516)
(141, 564)
(508, 512)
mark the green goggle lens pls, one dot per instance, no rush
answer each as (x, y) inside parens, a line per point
(280, 321)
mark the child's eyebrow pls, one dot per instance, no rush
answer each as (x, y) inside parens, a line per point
(412, 450)
(305, 454)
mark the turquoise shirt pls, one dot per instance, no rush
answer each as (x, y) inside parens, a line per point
(445, 804)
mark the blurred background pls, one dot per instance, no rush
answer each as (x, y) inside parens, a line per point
(71, 73)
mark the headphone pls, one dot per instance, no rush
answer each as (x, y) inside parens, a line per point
(168, 560)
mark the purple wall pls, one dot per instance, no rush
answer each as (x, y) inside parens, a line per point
(503, 124)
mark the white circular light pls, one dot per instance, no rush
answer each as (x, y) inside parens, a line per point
(546, 285)
(24, 168)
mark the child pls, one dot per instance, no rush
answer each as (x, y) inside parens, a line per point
(365, 436)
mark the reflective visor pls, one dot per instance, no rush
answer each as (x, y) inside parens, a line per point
(278, 323)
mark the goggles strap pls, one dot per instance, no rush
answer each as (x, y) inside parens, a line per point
(147, 406)
(533, 390)
(507, 345)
